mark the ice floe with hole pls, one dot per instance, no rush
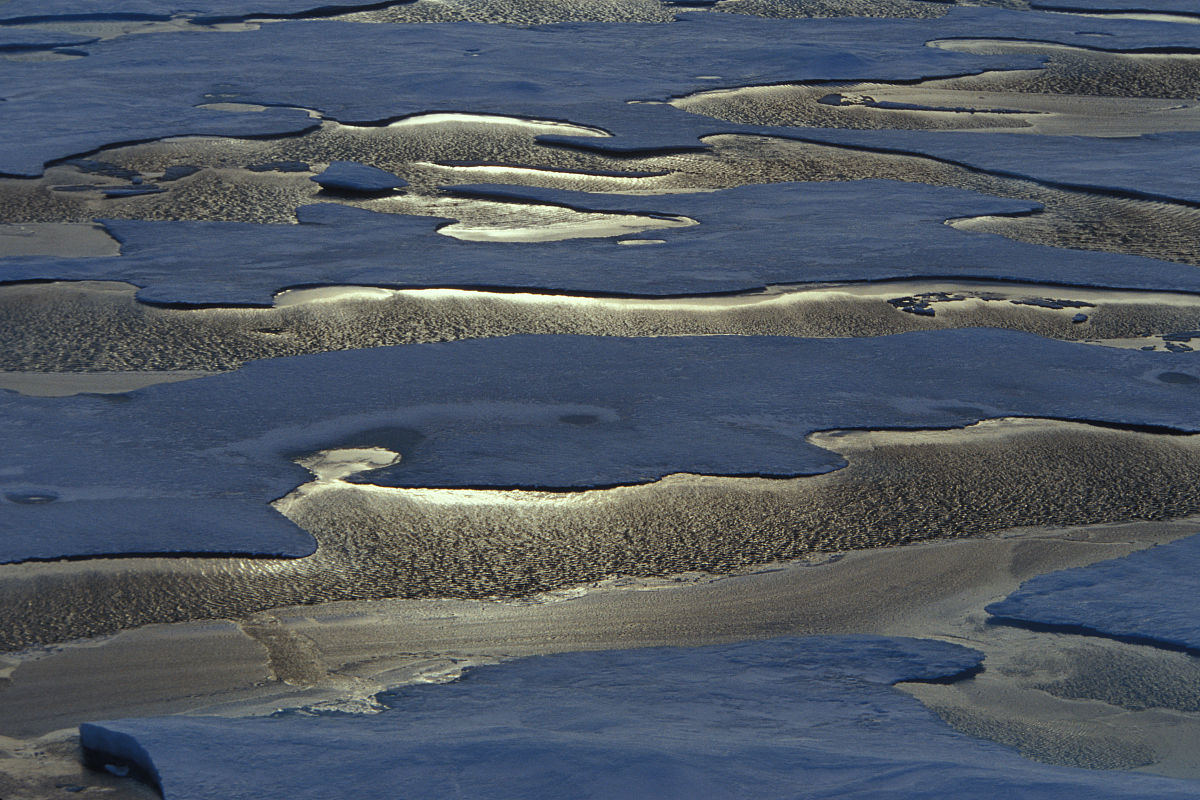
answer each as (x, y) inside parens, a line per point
(813, 717)
(191, 467)
(748, 237)
(1151, 596)
(138, 88)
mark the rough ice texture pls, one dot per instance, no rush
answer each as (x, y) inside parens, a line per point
(1152, 595)
(145, 87)
(191, 466)
(748, 237)
(351, 176)
(811, 717)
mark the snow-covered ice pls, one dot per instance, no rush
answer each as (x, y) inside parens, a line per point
(133, 474)
(785, 718)
(1152, 596)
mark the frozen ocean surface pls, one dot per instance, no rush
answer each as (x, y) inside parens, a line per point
(1152, 596)
(786, 718)
(193, 471)
(130, 473)
(748, 237)
(584, 73)
(201, 10)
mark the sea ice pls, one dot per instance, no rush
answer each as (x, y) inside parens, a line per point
(748, 237)
(811, 717)
(192, 466)
(351, 176)
(138, 88)
(1150, 596)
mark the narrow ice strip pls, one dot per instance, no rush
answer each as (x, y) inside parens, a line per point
(981, 46)
(57, 239)
(941, 105)
(156, 342)
(1141, 16)
(586, 226)
(541, 126)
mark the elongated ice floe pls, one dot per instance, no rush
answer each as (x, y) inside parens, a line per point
(156, 343)
(489, 413)
(781, 718)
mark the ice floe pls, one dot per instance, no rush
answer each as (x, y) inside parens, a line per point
(796, 718)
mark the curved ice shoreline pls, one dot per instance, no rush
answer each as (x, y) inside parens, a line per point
(494, 414)
(1151, 597)
(374, 542)
(796, 718)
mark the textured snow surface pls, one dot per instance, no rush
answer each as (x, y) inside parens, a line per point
(141, 87)
(131, 473)
(1152, 595)
(811, 717)
(748, 237)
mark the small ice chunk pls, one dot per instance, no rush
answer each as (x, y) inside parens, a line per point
(31, 498)
(133, 191)
(176, 172)
(350, 176)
